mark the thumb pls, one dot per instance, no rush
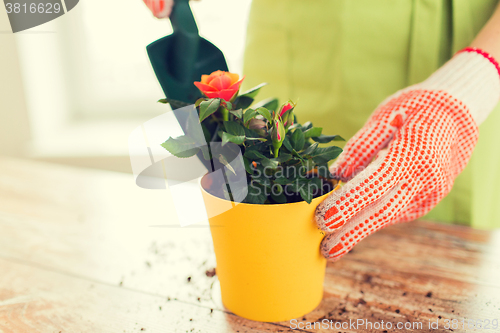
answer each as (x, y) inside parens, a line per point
(160, 8)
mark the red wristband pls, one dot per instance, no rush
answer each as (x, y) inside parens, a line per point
(484, 54)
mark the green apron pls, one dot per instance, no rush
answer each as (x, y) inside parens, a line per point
(340, 58)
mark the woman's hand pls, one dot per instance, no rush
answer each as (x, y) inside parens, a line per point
(421, 139)
(160, 8)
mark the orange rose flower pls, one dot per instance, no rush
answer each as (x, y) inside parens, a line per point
(220, 84)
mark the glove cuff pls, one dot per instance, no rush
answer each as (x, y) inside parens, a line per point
(471, 76)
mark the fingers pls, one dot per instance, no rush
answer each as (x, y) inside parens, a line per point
(363, 190)
(360, 150)
(160, 8)
(374, 217)
(364, 146)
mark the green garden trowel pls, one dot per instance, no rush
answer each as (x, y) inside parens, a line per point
(182, 57)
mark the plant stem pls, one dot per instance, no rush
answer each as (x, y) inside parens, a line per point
(276, 152)
(225, 114)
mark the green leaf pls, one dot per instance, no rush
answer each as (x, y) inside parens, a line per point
(192, 125)
(308, 164)
(298, 139)
(309, 150)
(253, 91)
(248, 168)
(323, 170)
(279, 196)
(262, 180)
(293, 186)
(265, 113)
(253, 155)
(269, 163)
(256, 194)
(282, 158)
(305, 193)
(182, 147)
(174, 104)
(304, 187)
(242, 102)
(269, 103)
(324, 155)
(289, 147)
(283, 180)
(314, 185)
(316, 182)
(260, 147)
(258, 139)
(248, 115)
(237, 139)
(288, 144)
(307, 126)
(232, 127)
(327, 138)
(313, 132)
(295, 172)
(198, 101)
(238, 113)
(208, 107)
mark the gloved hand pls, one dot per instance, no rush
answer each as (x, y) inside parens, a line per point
(160, 8)
(429, 131)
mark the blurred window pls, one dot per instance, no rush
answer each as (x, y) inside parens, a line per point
(92, 62)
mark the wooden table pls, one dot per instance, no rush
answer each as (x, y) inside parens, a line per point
(88, 251)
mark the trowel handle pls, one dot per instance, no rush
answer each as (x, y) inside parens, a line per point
(182, 18)
(186, 40)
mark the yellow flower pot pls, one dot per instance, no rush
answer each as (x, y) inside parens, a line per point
(268, 259)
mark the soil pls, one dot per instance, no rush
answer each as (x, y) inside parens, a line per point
(328, 185)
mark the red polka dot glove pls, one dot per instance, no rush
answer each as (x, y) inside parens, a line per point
(406, 157)
(160, 8)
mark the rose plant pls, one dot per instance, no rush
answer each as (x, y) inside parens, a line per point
(283, 159)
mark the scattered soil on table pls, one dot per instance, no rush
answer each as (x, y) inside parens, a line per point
(210, 272)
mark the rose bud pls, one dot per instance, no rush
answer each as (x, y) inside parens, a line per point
(220, 84)
(289, 120)
(258, 125)
(278, 136)
(287, 106)
(286, 114)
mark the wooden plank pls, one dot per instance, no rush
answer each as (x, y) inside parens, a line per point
(35, 300)
(95, 226)
(416, 272)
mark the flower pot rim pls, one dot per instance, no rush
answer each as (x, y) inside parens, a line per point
(269, 205)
